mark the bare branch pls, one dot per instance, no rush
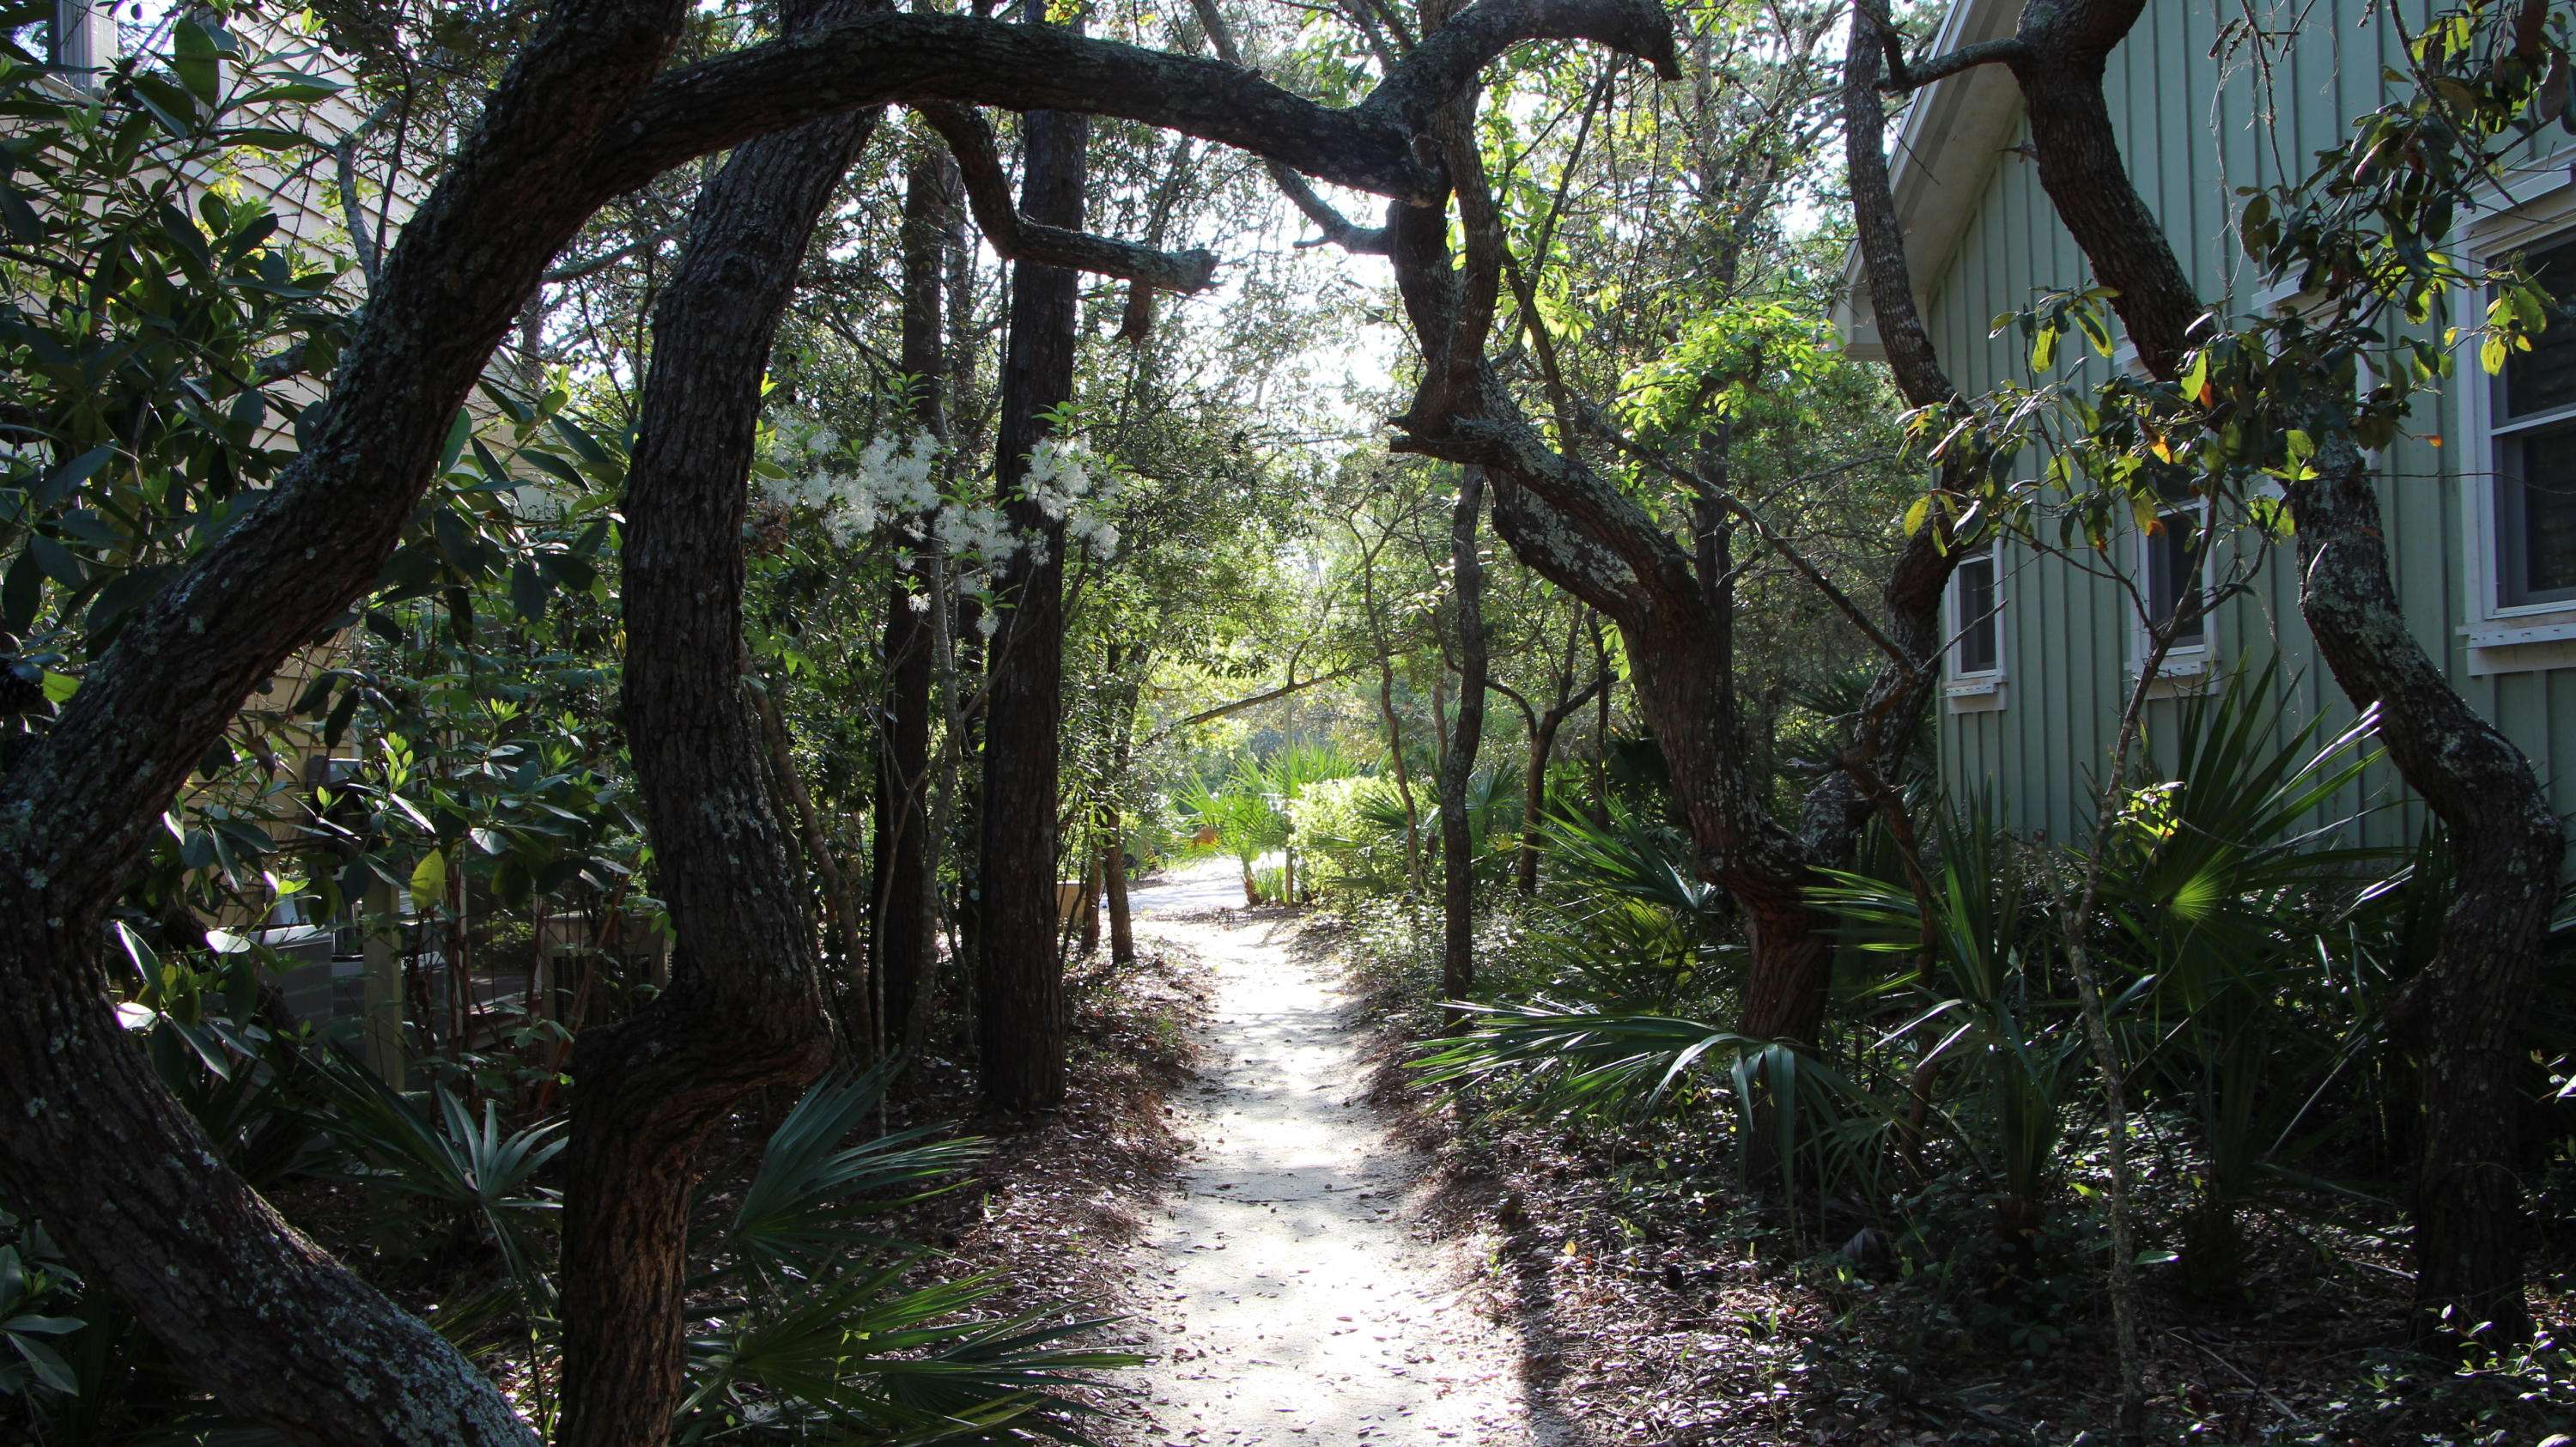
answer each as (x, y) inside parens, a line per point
(1210, 715)
(1902, 77)
(988, 194)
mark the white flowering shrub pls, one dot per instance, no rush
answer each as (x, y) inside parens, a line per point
(855, 490)
(852, 489)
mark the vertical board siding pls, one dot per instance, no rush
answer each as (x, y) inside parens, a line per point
(2194, 133)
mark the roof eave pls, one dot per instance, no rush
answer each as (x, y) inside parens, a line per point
(1948, 147)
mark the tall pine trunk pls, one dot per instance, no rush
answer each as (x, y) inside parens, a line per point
(905, 950)
(1020, 976)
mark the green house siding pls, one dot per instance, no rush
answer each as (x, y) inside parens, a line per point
(2192, 138)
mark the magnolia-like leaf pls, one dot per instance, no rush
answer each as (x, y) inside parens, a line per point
(429, 880)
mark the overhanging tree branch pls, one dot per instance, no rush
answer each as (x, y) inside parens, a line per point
(905, 58)
(988, 195)
(1210, 715)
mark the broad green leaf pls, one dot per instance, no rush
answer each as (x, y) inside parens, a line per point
(429, 880)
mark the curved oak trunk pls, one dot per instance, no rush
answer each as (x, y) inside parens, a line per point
(745, 1009)
(248, 1308)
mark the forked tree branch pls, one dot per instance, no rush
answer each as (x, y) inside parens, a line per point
(988, 195)
(1338, 229)
(1903, 77)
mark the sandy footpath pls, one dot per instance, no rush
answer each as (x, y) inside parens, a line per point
(1287, 1299)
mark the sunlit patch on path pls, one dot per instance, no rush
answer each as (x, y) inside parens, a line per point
(1289, 1301)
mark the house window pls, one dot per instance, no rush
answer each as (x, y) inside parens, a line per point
(2534, 426)
(69, 43)
(2174, 565)
(1974, 621)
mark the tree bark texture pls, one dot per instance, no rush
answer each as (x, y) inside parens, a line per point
(247, 1307)
(2464, 1014)
(905, 950)
(744, 1010)
(1020, 1006)
(853, 1003)
(1457, 842)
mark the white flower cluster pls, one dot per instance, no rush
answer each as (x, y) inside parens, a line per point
(1061, 483)
(888, 482)
(854, 494)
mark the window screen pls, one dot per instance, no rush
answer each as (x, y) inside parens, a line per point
(1980, 630)
(2173, 576)
(2536, 451)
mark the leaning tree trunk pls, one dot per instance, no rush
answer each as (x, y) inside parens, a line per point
(2464, 1015)
(1457, 843)
(744, 1010)
(1020, 1005)
(250, 1310)
(905, 945)
(1542, 743)
(854, 1003)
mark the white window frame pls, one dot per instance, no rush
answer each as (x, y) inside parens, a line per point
(2183, 660)
(2536, 211)
(1973, 690)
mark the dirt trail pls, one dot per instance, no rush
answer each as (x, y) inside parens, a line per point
(1290, 1302)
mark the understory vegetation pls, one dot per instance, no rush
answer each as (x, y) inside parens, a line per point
(1916, 1242)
